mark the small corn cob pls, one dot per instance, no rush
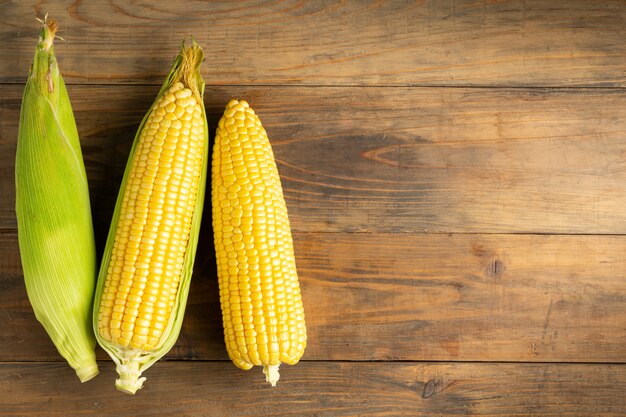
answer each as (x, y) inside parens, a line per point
(54, 225)
(146, 269)
(259, 290)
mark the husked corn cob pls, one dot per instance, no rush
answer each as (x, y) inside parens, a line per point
(155, 222)
(259, 290)
(54, 224)
(145, 274)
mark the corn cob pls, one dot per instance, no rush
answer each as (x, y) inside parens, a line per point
(259, 290)
(147, 266)
(55, 230)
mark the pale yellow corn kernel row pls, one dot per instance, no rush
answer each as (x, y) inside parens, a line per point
(154, 224)
(259, 290)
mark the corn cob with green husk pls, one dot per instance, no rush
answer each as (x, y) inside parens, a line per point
(146, 269)
(55, 230)
(259, 290)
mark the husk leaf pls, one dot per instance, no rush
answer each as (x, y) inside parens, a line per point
(55, 230)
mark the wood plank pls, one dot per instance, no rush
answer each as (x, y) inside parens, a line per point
(394, 159)
(450, 42)
(408, 297)
(322, 389)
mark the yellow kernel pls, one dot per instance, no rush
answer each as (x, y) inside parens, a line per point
(176, 86)
(170, 107)
(183, 93)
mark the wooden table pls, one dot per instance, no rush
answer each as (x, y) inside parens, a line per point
(455, 173)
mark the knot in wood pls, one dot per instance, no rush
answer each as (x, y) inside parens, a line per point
(495, 268)
(429, 389)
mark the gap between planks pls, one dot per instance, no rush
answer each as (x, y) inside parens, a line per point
(347, 86)
(356, 361)
(435, 233)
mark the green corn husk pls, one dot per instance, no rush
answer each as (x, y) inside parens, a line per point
(55, 230)
(131, 364)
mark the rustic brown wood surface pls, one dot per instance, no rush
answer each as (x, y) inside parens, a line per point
(426, 42)
(395, 159)
(323, 389)
(415, 297)
(455, 173)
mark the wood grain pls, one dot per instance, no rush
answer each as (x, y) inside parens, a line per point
(393, 159)
(322, 389)
(450, 42)
(408, 297)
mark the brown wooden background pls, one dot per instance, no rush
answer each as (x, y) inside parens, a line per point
(455, 173)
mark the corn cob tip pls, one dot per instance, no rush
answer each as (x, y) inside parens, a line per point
(129, 384)
(48, 31)
(190, 59)
(87, 372)
(271, 374)
(129, 380)
(243, 103)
